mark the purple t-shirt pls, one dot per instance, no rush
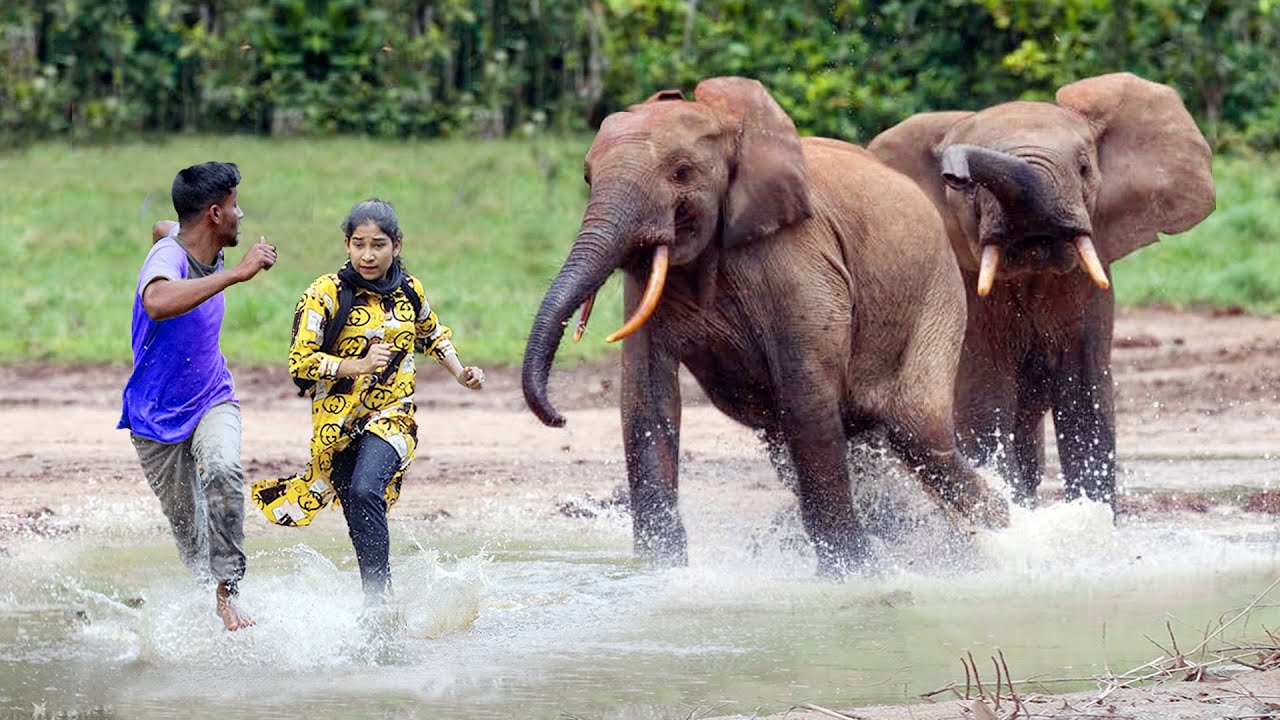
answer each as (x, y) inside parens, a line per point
(179, 371)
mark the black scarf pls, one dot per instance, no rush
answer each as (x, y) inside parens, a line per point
(385, 285)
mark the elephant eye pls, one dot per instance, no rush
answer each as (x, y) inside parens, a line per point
(683, 173)
(1084, 167)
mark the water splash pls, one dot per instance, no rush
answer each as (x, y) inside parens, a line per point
(551, 615)
(310, 613)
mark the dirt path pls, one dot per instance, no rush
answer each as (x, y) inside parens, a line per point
(1188, 386)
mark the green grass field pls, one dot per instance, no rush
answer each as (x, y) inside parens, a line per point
(1230, 259)
(486, 226)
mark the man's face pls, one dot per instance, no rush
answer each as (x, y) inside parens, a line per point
(226, 219)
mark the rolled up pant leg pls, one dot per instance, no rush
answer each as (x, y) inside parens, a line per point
(215, 444)
(170, 470)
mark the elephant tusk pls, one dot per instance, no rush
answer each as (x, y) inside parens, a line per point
(582, 319)
(1092, 265)
(987, 270)
(648, 303)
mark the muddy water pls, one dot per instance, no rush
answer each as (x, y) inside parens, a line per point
(498, 617)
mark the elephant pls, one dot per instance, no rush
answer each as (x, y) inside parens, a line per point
(1039, 199)
(806, 287)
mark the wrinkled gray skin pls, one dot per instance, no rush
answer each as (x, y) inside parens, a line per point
(1115, 159)
(811, 294)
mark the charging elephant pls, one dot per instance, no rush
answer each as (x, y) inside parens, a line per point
(1039, 199)
(807, 287)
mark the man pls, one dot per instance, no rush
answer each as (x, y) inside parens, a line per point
(179, 404)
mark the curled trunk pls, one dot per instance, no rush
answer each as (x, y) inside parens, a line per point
(1015, 183)
(593, 257)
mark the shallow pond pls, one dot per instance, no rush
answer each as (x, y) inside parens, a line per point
(500, 619)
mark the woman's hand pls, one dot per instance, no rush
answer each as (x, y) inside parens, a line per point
(374, 361)
(471, 377)
(377, 358)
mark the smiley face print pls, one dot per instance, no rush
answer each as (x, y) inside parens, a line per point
(335, 404)
(329, 433)
(360, 317)
(353, 346)
(404, 310)
(379, 397)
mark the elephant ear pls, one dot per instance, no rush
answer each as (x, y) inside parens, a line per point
(664, 95)
(1155, 166)
(768, 187)
(913, 148)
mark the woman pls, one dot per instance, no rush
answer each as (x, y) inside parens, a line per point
(355, 333)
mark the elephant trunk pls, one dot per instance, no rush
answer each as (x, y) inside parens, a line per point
(612, 225)
(1027, 198)
(589, 264)
(1014, 182)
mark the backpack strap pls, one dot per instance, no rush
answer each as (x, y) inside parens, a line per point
(414, 298)
(393, 364)
(333, 326)
(332, 329)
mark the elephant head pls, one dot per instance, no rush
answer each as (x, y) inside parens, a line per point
(672, 181)
(1034, 187)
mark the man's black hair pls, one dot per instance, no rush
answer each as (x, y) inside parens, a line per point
(199, 186)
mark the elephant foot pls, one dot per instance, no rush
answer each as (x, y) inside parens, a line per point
(958, 488)
(853, 557)
(841, 570)
(1102, 491)
(988, 509)
(977, 503)
(662, 549)
(1025, 495)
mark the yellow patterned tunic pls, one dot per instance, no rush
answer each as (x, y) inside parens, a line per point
(342, 408)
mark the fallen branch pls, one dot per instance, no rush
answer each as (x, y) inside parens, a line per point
(831, 713)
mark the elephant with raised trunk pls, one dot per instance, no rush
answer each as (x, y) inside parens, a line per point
(807, 287)
(1039, 199)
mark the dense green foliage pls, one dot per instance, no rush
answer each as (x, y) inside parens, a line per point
(487, 224)
(428, 68)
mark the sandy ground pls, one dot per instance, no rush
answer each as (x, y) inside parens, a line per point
(1189, 385)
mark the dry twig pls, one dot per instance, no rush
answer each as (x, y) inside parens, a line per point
(831, 713)
(1017, 704)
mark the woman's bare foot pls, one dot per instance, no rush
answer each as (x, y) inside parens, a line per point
(229, 609)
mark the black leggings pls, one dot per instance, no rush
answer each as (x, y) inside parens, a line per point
(360, 476)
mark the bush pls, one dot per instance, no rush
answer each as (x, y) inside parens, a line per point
(413, 68)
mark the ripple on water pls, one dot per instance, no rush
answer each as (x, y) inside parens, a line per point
(553, 617)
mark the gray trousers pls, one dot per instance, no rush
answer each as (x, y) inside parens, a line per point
(200, 485)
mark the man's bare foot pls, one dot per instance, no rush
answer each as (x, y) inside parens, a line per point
(229, 609)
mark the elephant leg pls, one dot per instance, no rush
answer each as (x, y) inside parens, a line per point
(651, 440)
(990, 432)
(1026, 469)
(983, 435)
(818, 450)
(1084, 409)
(1084, 418)
(775, 444)
(985, 414)
(937, 405)
(933, 454)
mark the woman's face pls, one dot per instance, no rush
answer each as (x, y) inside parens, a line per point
(371, 251)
